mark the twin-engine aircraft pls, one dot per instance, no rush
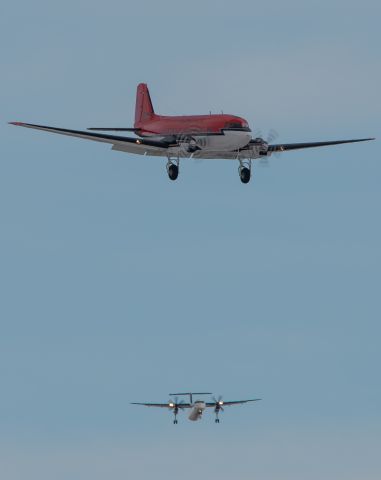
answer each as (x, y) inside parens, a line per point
(196, 136)
(196, 407)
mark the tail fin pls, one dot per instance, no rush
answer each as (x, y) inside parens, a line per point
(143, 107)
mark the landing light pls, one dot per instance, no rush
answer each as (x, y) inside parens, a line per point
(220, 403)
(171, 405)
(138, 142)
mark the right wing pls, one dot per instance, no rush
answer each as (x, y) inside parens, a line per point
(126, 144)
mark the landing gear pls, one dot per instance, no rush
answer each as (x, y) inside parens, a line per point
(244, 170)
(173, 168)
(217, 411)
(245, 175)
(173, 172)
(175, 412)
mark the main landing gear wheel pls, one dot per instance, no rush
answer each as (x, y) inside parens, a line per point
(173, 168)
(245, 174)
(173, 171)
(217, 420)
(175, 422)
(244, 170)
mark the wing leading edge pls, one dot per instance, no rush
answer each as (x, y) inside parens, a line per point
(134, 145)
(162, 405)
(236, 402)
(283, 147)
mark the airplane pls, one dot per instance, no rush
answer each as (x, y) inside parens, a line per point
(196, 407)
(210, 136)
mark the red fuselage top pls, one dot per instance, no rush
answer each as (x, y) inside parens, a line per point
(192, 124)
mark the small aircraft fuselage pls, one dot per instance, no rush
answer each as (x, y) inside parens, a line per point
(206, 132)
(197, 410)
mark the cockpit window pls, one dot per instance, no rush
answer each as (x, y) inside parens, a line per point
(237, 125)
(233, 125)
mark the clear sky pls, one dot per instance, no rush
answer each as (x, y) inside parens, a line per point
(118, 285)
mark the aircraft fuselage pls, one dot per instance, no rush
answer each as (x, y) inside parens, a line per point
(204, 132)
(197, 410)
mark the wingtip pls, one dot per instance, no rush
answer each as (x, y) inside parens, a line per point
(19, 124)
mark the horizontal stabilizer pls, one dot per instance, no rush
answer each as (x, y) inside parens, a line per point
(192, 393)
(114, 129)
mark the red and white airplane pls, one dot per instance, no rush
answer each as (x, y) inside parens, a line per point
(195, 136)
(196, 407)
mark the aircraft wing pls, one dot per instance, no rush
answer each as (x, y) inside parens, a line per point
(162, 405)
(296, 146)
(235, 402)
(122, 143)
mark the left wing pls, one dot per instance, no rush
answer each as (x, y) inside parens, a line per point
(236, 402)
(163, 405)
(296, 146)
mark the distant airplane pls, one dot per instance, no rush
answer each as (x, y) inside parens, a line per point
(196, 407)
(195, 136)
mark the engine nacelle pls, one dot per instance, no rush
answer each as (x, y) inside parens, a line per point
(260, 146)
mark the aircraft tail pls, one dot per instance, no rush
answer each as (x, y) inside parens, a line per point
(191, 395)
(143, 108)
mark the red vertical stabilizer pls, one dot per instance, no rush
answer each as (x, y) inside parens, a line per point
(143, 108)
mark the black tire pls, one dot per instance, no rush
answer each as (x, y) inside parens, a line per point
(245, 175)
(173, 171)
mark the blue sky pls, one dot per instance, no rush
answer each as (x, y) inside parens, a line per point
(119, 285)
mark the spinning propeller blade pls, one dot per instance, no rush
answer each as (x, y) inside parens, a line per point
(218, 403)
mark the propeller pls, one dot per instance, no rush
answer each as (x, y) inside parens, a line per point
(271, 137)
(175, 404)
(188, 143)
(218, 403)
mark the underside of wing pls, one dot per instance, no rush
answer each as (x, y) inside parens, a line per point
(121, 143)
(296, 146)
